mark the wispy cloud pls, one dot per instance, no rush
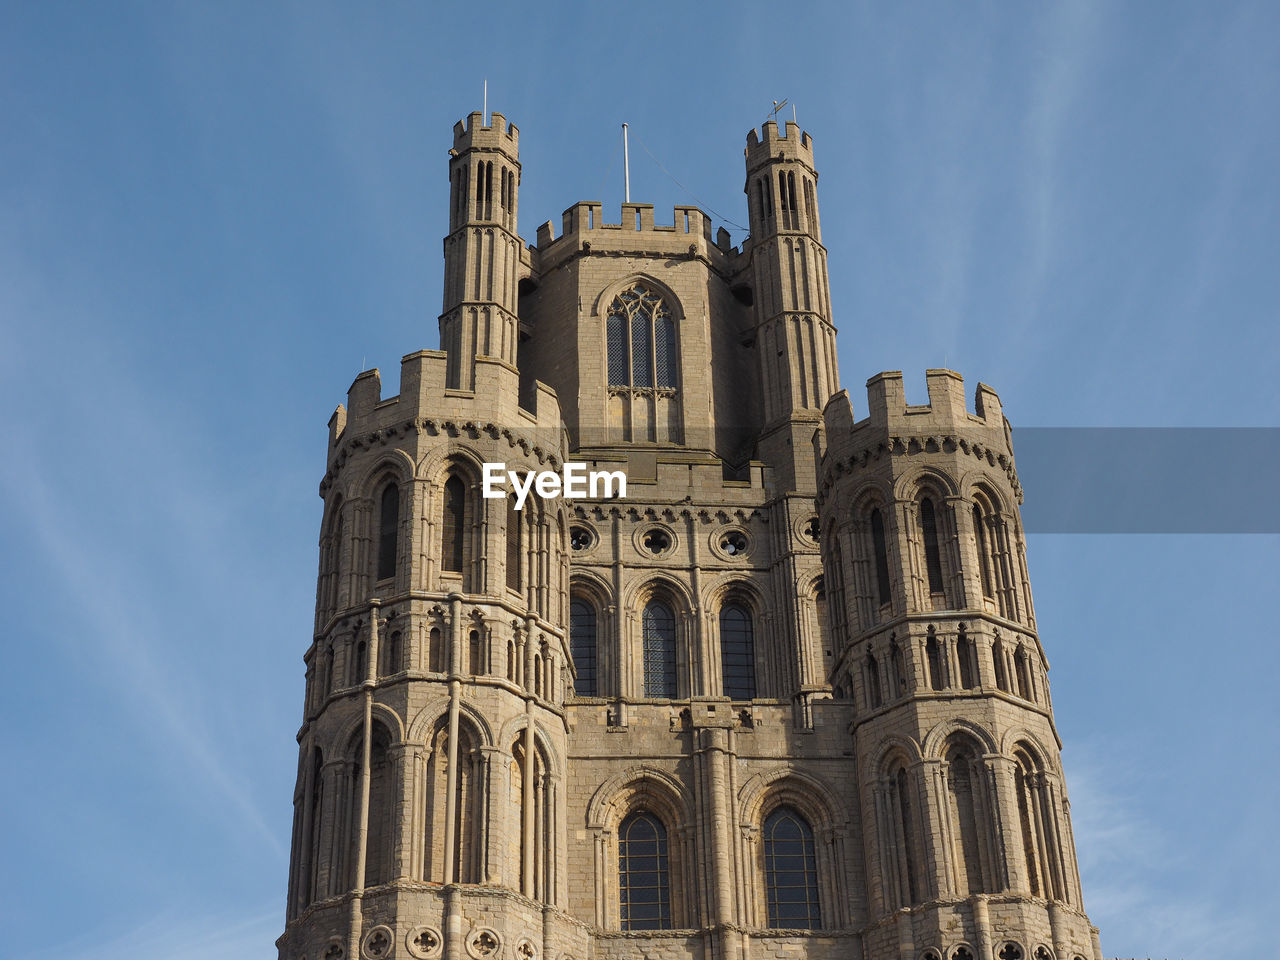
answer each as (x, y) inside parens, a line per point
(191, 937)
(1069, 39)
(1134, 872)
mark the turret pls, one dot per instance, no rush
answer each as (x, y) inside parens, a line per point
(965, 821)
(482, 251)
(795, 338)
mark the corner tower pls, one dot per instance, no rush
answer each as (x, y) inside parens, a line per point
(795, 337)
(482, 250)
(965, 824)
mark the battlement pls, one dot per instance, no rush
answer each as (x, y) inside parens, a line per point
(498, 135)
(583, 225)
(945, 414)
(424, 397)
(768, 145)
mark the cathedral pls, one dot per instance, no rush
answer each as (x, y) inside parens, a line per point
(784, 698)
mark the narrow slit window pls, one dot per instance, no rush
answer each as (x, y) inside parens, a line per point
(388, 531)
(881, 557)
(932, 555)
(453, 535)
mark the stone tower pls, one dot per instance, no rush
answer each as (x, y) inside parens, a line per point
(785, 696)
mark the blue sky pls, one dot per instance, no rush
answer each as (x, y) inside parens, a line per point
(213, 215)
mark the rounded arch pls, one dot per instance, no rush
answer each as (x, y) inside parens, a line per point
(427, 718)
(923, 480)
(659, 586)
(895, 749)
(590, 586)
(639, 787)
(333, 511)
(937, 740)
(456, 455)
(350, 737)
(511, 731)
(979, 489)
(784, 787)
(869, 496)
(395, 465)
(604, 300)
(1019, 738)
(808, 584)
(733, 587)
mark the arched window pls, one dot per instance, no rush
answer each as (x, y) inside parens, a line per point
(966, 653)
(899, 675)
(659, 636)
(1023, 775)
(475, 653)
(454, 529)
(873, 680)
(392, 654)
(968, 813)
(435, 652)
(901, 787)
(737, 652)
(461, 863)
(388, 531)
(644, 884)
(998, 659)
(984, 555)
(377, 857)
(932, 556)
(641, 340)
(360, 664)
(933, 653)
(790, 871)
(514, 544)
(1022, 668)
(881, 557)
(311, 891)
(582, 646)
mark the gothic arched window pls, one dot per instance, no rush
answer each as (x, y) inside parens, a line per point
(388, 530)
(881, 551)
(644, 885)
(932, 556)
(514, 545)
(737, 652)
(641, 340)
(582, 646)
(454, 530)
(659, 636)
(790, 871)
(984, 554)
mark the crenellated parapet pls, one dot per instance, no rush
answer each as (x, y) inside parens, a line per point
(768, 144)
(426, 403)
(584, 232)
(497, 135)
(892, 426)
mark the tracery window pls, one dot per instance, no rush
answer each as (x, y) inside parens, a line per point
(658, 626)
(790, 871)
(582, 645)
(644, 883)
(737, 652)
(641, 336)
